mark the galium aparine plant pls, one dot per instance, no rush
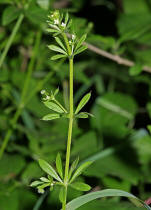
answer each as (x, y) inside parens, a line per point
(68, 46)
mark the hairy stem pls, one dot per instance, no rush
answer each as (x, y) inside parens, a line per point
(11, 38)
(70, 119)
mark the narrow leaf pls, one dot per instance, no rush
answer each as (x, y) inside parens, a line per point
(49, 170)
(56, 49)
(73, 167)
(80, 170)
(80, 201)
(51, 30)
(80, 42)
(66, 18)
(81, 49)
(82, 115)
(59, 165)
(58, 56)
(80, 186)
(62, 195)
(53, 106)
(60, 43)
(44, 179)
(82, 103)
(51, 117)
(35, 183)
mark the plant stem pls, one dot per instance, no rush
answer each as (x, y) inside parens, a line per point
(70, 119)
(23, 96)
(11, 38)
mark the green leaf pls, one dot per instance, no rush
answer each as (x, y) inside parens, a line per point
(82, 103)
(62, 194)
(80, 170)
(56, 91)
(80, 42)
(44, 179)
(84, 115)
(59, 165)
(60, 43)
(51, 30)
(58, 56)
(76, 203)
(80, 186)
(135, 70)
(36, 183)
(53, 106)
(51, 117)
(66, 18)
(56, 49)
(149, 128)
(10, 14)
(43, 4)
(48, 169)
(73, 167)
(81, 49)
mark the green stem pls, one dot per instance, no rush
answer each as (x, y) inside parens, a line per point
(10, 131)
(23, 96)
(70, 119)
(11, 38)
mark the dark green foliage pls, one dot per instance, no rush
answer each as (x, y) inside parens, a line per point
(117, 138)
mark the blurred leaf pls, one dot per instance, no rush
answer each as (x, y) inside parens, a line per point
(43, 4)
(59, 165)
(85, 145)
(130, 6)
(135, 70)
(62, 194)
(80, 186)
(11, 165)
(35, 14)
(51, 117)
(10, 14)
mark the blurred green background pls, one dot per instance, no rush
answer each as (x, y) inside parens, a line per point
(117, 137)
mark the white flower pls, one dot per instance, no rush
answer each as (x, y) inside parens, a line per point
(70, 42)
(56, 21)
(63, 24)
(47, 97)
(73, 36)
(43, 92)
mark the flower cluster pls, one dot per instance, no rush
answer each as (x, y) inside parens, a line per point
(58, 23)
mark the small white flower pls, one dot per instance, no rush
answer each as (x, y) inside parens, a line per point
(56, 21)
(47, 97)
(43, 92)
(63, 24)
(73, 37)
(51, 184)
(70, 42)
